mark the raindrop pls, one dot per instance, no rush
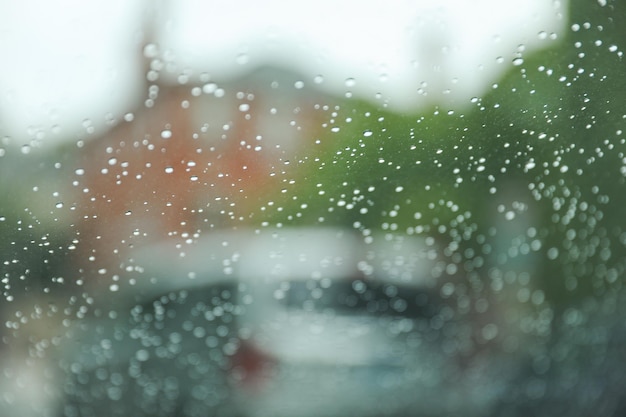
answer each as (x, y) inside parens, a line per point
(367, 133)
(553, 253)
(242, 59)
(151, 50)
(350, 82)
(169, 170)
(209, 88)
(166, 134)
(490, 331)
(142, 355)
(518, 61)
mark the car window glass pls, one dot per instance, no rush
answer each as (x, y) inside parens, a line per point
(313, 209)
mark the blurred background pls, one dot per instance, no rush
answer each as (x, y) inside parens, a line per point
(314, 209)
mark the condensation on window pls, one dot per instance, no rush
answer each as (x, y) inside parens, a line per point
(312, 209)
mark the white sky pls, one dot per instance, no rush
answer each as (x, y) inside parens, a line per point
(67, 61)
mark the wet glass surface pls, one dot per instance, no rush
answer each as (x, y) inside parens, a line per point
(299, 221)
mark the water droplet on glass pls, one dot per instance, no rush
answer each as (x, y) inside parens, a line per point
(209, 88)
(242, 59)
(169, 170)
(151, 50)
(350, 82)
(166, 134)
(518, 61)
(490, 331)
(367, 133)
